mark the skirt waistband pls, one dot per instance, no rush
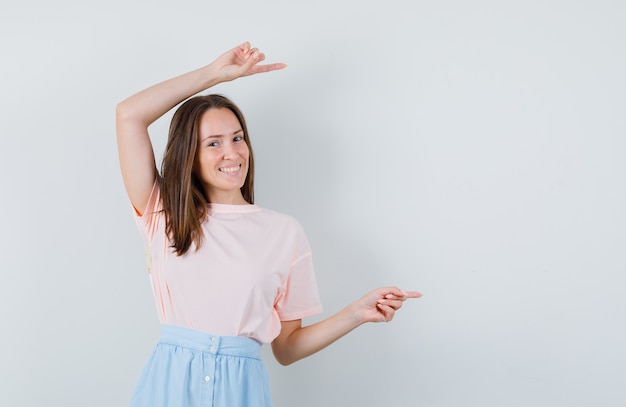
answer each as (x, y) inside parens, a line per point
(206, 342)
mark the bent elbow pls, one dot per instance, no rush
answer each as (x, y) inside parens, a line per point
(283, 361)
(284, 358)
(121, 111)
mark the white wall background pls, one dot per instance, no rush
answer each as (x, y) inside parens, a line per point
(470, 150)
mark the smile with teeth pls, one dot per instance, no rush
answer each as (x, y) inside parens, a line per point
(230, 170)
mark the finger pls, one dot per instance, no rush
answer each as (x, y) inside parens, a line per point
(386, 311)
(244, 47)
(413, 294)
(403, 295)
(393, 297)
(255, 54)
(395, 291)
(241, 51)
(267, 68)
(247, 56)
(396, 304)
(249, 62)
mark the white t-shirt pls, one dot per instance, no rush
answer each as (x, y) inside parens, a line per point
(253, 270)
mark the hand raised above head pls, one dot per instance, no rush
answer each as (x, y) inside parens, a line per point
(243, 60)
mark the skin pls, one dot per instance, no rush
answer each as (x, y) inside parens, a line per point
(219, 148)
(222, 157)
(296, 342)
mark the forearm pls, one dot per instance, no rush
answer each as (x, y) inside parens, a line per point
(304, 341)
(145, 107)
(295, 342)
(148, 105)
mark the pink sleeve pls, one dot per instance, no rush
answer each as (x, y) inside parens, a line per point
(299, 297)
(149, 220)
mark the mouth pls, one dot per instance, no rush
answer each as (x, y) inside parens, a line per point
(230, 170)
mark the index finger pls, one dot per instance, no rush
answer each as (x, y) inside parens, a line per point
(401, 294)
(266, 68)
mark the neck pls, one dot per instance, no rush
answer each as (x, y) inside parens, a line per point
(227, 198)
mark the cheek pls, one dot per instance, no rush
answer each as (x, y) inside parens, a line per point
(203, 160)
(245, 152)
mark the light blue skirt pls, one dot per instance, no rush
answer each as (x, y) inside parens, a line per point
(189, 368)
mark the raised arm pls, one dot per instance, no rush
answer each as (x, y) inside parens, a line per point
(296, 342)
(136, 113)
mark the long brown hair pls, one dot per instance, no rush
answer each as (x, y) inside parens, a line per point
(184, 198)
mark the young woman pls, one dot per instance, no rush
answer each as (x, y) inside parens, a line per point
(227, 275)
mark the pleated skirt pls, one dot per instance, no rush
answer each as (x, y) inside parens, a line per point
(189, 368)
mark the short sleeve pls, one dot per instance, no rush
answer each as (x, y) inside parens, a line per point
(299, 296)
(148, 222)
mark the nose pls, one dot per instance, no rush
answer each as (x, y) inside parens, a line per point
(230, 151)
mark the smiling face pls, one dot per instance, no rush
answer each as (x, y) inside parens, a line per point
(222, 157)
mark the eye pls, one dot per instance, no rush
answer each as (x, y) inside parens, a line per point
(238, 139)
(213, 144)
